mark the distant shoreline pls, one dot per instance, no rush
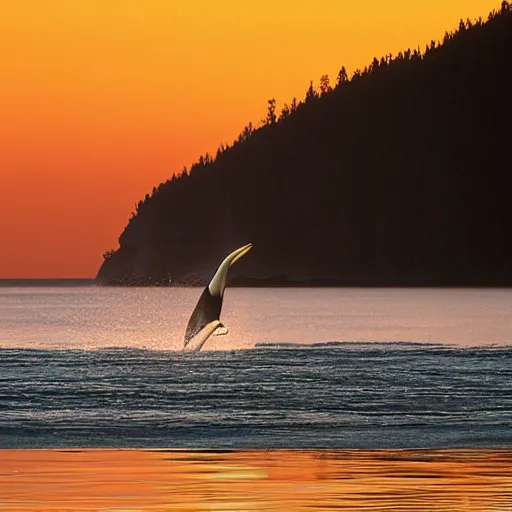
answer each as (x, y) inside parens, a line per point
(282, 281)
(244, 282)
(63, 281)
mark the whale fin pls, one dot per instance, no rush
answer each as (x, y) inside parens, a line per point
(196, 343)
(221, 330)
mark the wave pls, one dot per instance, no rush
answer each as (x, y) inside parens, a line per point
(269, 345)
(350, 344)
(341, 395)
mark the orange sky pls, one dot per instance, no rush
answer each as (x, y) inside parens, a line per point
(101, 100)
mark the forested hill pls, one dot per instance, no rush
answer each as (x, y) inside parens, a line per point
(397, 175)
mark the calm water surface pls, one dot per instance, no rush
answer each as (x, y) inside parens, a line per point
(155, 318)
(142, 481)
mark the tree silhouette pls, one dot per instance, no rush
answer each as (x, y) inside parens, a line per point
(397, 176)
(342, 77)
(325, 86)
(271, 113)
(285, 112)
(311, 93)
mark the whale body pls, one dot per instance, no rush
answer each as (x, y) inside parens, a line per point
(205, 319)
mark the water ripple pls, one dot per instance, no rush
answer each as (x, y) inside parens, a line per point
(321, 396)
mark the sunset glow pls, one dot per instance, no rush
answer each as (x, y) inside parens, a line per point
(100, 101)
(108, 480)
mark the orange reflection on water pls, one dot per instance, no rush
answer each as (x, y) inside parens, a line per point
(140, 481)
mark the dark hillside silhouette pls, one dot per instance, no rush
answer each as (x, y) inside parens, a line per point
(398, 175)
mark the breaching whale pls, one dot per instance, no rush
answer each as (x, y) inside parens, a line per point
(205, 318)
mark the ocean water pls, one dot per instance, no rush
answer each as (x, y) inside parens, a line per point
(84, 367)
(93, 317)
(259, 480)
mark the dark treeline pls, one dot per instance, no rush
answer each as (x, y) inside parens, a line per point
(397, 175)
